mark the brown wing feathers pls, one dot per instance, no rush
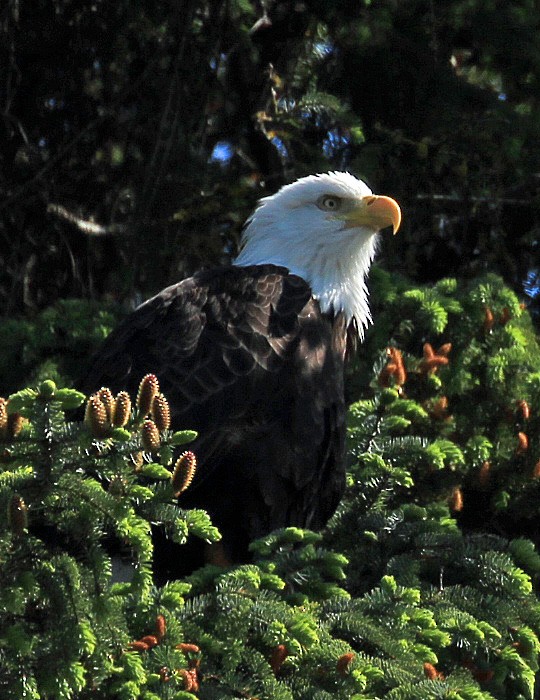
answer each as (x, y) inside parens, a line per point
(244, 357)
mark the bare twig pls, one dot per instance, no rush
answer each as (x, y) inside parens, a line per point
(88, 227)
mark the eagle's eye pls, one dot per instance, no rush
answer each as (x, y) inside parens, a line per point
(329, 203)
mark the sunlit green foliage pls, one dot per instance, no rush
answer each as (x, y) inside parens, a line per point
(396, 599)
(479, 406)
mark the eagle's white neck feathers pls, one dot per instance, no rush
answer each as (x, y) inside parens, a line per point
(292, 230)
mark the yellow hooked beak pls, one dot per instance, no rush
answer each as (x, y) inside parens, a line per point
(376, 212)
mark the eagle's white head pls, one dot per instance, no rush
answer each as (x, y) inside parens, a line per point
(323, 228)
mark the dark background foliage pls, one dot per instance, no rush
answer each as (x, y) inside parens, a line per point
(137, 136)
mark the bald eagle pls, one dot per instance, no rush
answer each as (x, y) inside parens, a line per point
(252, 357)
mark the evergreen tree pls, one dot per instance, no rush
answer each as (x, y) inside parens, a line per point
(464, 363)
(396, 600)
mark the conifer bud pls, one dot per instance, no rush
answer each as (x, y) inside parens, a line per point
(505, 316)
(445, 349)
(455, 502)
(484, 474)
(150, 640)
(148, 389)
(183, 473)
(431, 362)
(161, 627)
(191, 681)
(139, 646)
(279, 654)
(3, 419)
(344, 662)
(164, 674)
(536, 470)
(195, 685)
(431, 672)
(489, 319)
(183, 673)
(150, 436)
(394, 372)
(121, 410)
(400, 374)
(524, 409)
(439, 409)
(107, 400)
(161, 412)
(523, 443)
(17, 515)
(428, 351)
(188, 648)
(95, 417)
(386, 373)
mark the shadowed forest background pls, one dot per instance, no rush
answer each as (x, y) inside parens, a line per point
(136, 137)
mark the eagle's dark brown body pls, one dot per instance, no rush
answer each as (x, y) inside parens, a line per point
(246, 358)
